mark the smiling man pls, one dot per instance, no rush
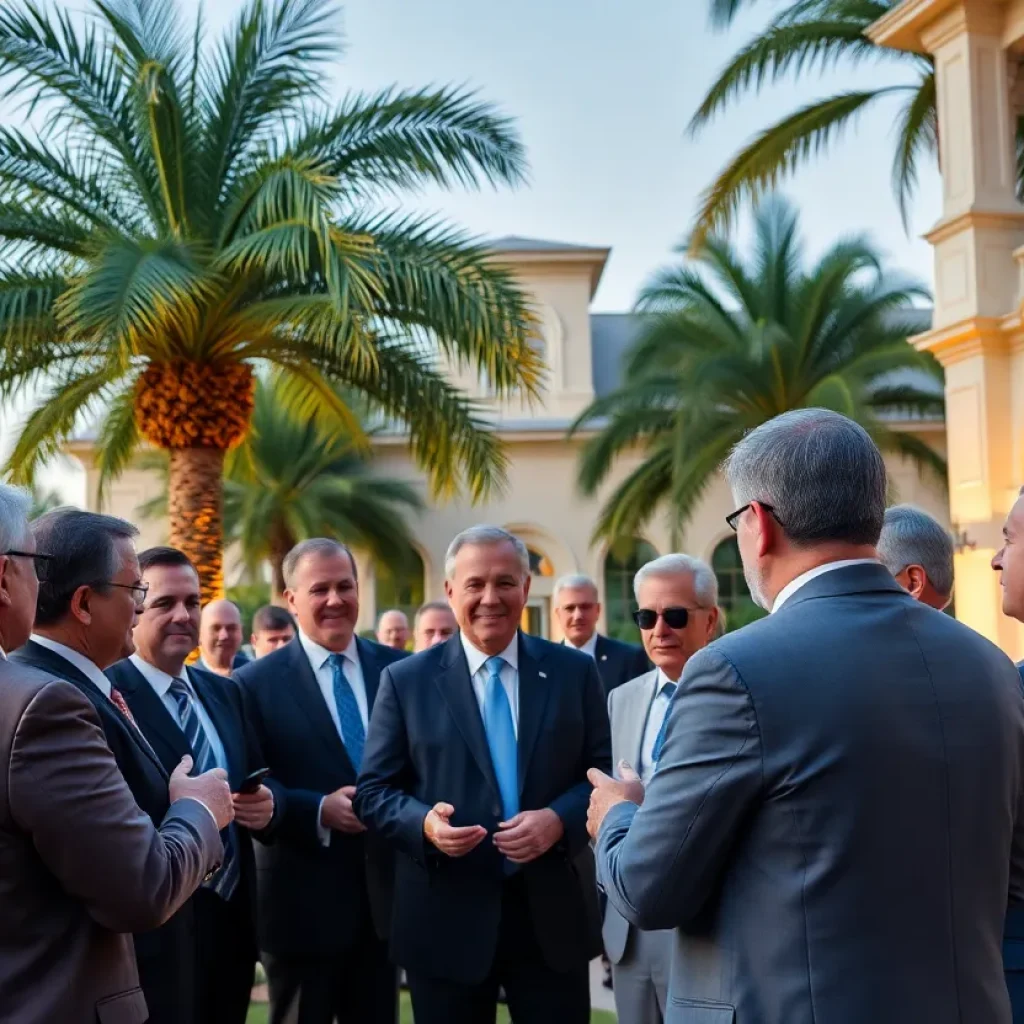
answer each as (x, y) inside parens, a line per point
(475, 769)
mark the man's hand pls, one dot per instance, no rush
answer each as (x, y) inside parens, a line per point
(336, 812)
(452, 841)
(529, 835)
(254, 810)
(210, 789)
(608, 792)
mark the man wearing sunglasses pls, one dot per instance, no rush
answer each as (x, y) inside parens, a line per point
(837, 816)
(678, 612)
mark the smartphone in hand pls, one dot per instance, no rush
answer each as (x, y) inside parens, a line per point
(252, 782)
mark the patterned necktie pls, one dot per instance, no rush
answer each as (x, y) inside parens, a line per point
(659, 741)
(225, 881)
(122, 705)
(353, 732)
(501, 738)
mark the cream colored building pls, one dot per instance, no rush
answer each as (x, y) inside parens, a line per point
(541, 504)
(978, 49)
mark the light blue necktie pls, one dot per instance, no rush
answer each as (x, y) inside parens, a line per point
(353, 732)
(225, 881)
(501, 738)
(659, 741)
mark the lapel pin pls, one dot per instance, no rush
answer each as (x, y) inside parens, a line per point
(543, 675)
(604, 657)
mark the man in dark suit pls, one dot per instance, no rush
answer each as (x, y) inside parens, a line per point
(325, 888)
(89, 592)
(187, 711)
(220, 639)
(835, 819)
(578, 609)
(475, 769)
(918, 550)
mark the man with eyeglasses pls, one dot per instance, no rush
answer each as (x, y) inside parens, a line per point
(678, 611)
(90, 595)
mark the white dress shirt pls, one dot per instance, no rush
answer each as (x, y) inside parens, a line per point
(160, 681)
(655, 719)
(479, 674)
(80, 661)
(819, 570)
(590, 647)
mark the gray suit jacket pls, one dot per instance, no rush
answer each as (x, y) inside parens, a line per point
(836, 818)
(81, 867)
(628, 707)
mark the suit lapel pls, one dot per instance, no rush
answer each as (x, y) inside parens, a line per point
(162, 731)
(601, 651)
(218, 706)
(306, 691)
(634, 720)
(372, 668)
(534, 693)
(456, 688)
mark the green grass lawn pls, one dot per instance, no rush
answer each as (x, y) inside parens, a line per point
(258, 1014)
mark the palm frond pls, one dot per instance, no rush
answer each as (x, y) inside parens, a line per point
(917, 133)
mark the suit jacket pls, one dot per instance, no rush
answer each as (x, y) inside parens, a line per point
(1013, 945)
(427, 744)
(313, 900)
(618, 662)
(82, 865)
(166, 956)
(831, 824)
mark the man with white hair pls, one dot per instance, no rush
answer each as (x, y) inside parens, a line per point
(578, 608)
(918, 551)
(837, 816)
(677, 597)
(393, 629)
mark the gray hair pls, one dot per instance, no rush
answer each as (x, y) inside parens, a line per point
(82, 553)
(484, 535)
(705, 582)
(912, 537)
(433, 606)
(392, 611)
(15, 505)
(574, 581)
(821, 473)
(308, 549)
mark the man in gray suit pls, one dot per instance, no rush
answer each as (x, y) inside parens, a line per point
(677, 597)
(836, 819)
(918, 551)
(83, 866)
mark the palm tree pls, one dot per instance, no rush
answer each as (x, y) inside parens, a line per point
(807, 36)
(728, 342)
(292, 479)
(189, 212)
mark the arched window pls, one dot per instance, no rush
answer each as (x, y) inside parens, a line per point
(403, 590)
(540, 565)
(620, 566)
(733, 592)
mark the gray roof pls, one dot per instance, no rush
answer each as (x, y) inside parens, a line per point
(516, 243)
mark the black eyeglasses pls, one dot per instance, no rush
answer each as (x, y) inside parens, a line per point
(139, 590)
(733, 518)
(675, 618)
(36, 557)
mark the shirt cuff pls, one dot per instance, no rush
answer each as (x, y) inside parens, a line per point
(205, 808)
(322, 831)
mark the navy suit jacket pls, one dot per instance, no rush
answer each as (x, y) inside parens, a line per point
(166, 955)
(618, 662)
(1013, 945)
(313, 900)
(427, 744)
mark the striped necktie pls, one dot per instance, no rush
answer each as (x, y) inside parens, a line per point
(225, 881)
(659, 741)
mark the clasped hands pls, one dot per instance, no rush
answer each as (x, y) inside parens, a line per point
(523, 838)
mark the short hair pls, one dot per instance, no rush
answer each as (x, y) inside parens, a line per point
(313, 546)
(166, 557)
(485, 535)
(81, 551)
(912, 537)
(821, 473)
(574, 581)
(392, 611)
(272, 616)
(433, 606)
(15, 506)
(705, 583)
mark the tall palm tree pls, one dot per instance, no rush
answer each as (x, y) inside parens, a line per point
(727, 342)
(292, 479)
(190, 211)
(805, 37)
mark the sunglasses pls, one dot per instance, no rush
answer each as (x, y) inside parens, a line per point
(675, 618)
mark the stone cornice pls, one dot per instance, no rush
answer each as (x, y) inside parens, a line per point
(947, 228)
(967, 338)
(923, 26)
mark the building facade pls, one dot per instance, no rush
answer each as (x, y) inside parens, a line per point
(541, 503)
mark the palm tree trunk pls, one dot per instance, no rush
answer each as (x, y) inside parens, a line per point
(194, 507)
(281, 542)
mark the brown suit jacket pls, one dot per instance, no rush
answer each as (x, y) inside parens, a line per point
(81, 867)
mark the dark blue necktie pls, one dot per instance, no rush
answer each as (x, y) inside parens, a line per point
(353, 732)
(659, 741)
(225, 881)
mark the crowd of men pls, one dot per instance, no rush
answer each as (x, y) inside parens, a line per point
(819, 817)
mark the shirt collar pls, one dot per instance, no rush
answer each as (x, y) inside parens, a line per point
(477, 658)
(663, 681)
(88, 668)
(318, 655)
(819, 570)
(157, 677)
(590, 647)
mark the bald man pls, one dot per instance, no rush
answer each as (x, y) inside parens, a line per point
(220, 638)
(393, 630)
